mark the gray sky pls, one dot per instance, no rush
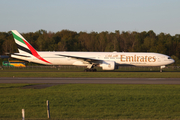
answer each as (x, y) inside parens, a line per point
(91, 15)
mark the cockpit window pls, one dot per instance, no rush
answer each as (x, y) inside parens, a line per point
(169, 58)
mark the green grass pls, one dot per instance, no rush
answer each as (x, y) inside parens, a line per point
(81, 69)
(93, 74)
(91, 101)
(76, 71)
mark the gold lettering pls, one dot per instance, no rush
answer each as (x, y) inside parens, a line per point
(145, 58)
(154, 58)
(130, 58)
(115, 56)
(109, 55)
(134, 58)
(138, 58)
(142, 59)
(122, 58)
(127, 57)
(149, 58)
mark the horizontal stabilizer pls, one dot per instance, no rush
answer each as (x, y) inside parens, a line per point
(20, 55)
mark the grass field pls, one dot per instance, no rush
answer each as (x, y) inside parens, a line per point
(81, 69)
(93, 74)
(75, 71)
(91, 101)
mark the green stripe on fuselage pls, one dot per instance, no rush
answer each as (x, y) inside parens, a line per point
(18, 38)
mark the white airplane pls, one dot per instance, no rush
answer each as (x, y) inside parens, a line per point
(106, 60)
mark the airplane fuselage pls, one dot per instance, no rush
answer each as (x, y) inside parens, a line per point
(120, 58)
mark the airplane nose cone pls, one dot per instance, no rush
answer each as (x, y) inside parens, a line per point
(173, 60)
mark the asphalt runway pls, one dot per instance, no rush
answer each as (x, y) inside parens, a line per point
(93, 80)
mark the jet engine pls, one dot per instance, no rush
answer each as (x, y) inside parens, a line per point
(108, 65)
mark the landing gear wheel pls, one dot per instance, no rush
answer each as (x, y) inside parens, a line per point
(90, 70)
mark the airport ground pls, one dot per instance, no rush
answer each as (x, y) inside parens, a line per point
(116, 95)
(78, 72)
(90, 74)
(90, 101)
(80, 69)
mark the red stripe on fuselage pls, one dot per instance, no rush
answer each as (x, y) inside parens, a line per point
(33, 51)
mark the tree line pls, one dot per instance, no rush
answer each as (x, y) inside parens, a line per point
(67, 40)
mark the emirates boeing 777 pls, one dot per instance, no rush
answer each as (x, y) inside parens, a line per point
(106, 60)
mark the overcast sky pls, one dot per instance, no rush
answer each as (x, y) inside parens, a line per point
(91, 15)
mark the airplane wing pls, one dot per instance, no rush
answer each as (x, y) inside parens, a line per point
(89, 60)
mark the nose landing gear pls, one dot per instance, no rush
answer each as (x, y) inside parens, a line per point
(161, 67)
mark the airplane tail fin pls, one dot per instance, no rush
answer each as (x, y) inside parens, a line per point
(23, 46)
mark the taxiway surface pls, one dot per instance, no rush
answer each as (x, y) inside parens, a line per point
(93, 80)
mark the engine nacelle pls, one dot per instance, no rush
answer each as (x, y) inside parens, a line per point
(108, 65)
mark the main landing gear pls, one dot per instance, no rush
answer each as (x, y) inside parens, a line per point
(90, 70)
